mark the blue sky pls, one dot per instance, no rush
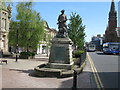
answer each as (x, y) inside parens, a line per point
(94, 14)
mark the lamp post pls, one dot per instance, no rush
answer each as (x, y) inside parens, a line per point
(16, 49)
(17, 45)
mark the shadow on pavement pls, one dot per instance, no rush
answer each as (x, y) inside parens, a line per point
(30, 72)
(110, 81)
(85, 80)
(8, 58)
(101, 53)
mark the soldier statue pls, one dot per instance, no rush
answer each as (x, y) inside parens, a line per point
(62, 25)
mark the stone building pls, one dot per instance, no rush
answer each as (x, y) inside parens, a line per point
(5, 15)
(118, 28)
(110, 33)
(44, 46)
(119, 14)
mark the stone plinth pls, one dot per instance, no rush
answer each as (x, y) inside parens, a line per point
(61, 51)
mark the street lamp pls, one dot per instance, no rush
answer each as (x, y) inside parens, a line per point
(16, 50)
(17, 45)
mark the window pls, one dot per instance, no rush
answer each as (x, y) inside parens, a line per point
(105, 46)
(4, 23)
(4, 13)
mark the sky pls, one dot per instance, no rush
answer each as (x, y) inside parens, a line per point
(93, 14)
(119, 14)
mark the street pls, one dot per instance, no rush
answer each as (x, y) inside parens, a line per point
(59, 45)
(107, 68)
(19, 74)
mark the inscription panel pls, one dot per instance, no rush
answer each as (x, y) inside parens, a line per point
(59, 54)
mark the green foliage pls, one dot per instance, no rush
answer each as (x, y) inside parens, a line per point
(76, 30)
(78, 53)
(32, 53)
(12, 34)
(24, 53)
(30, 27)
(27, 53)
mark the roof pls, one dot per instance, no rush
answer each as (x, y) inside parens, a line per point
(51, 29)
(46, 24)
(47, 27)
(4, 8)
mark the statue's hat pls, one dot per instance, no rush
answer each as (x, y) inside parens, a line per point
(63, 10)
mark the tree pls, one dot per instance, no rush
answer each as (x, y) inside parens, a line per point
(12, 34)
(30, 27)
(76, 31)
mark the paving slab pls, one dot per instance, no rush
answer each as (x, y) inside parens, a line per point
(20, 75)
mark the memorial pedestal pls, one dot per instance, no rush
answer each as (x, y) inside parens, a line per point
(61, 53)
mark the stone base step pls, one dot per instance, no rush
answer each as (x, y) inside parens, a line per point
(45, 71)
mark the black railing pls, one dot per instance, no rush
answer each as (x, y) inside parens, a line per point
(82, 58)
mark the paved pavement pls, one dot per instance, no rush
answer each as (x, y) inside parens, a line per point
(21, 75)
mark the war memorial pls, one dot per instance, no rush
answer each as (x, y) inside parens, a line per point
(60, 60)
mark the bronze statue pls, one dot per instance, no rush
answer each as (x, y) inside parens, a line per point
(62, 25)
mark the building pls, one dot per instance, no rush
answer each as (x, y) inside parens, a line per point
(110, 33)
(119, 14)
(118, 32)
(97, 41)
(118, 28)
(5, 15)
(44, 45)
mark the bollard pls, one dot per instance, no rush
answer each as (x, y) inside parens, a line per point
(75, 80)
(16, 58)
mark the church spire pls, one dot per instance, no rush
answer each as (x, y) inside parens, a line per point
(110, 34)
(112, 9)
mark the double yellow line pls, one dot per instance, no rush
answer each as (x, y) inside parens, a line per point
(95, 73)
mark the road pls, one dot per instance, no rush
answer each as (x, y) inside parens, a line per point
(107, 68)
